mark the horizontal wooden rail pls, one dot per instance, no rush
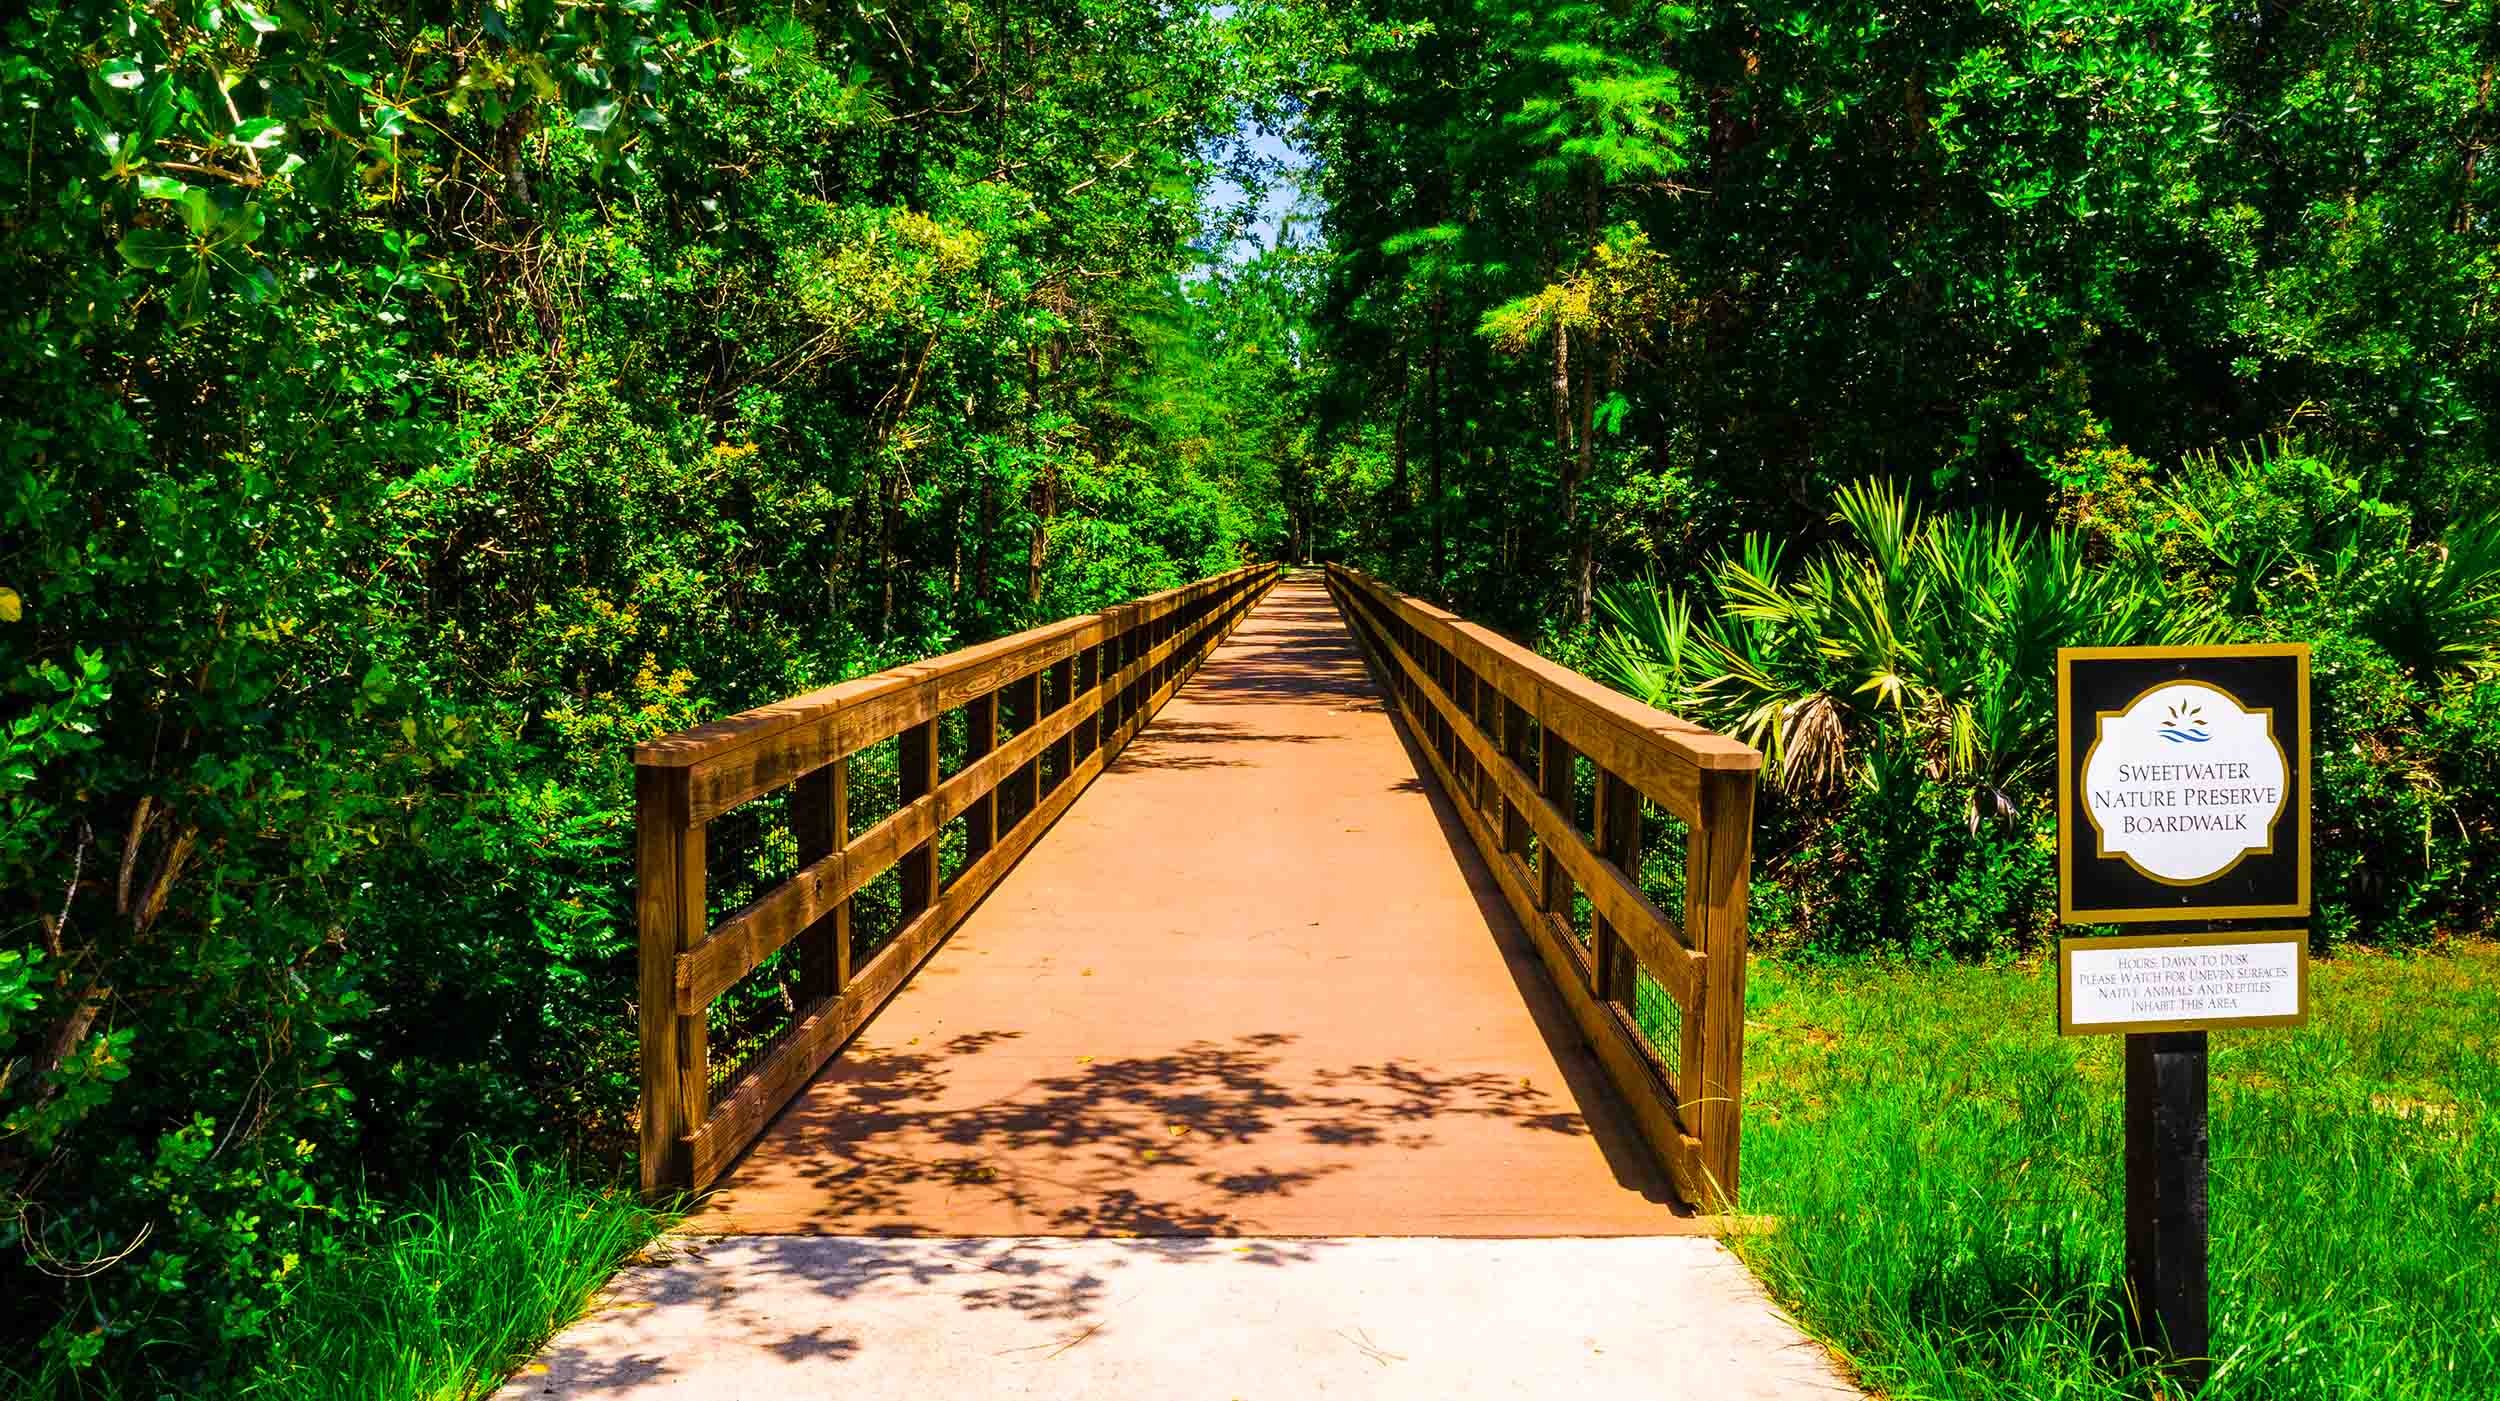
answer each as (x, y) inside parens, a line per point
(1108, 673)
(1503, 729)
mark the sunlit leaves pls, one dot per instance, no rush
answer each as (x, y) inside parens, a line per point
(259, 133)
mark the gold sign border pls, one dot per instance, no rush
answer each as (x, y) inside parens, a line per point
(2067, 913)
(2066, 946)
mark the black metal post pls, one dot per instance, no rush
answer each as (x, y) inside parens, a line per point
(2167, 1151)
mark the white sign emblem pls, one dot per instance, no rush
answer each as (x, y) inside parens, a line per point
(2184, 782)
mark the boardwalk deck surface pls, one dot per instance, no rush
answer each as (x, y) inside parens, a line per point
(1256, 982)
(1243, 1084)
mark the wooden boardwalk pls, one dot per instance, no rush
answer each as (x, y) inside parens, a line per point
(1257, 982)
(1223, 1066)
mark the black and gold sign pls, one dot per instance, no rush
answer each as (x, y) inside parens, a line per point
(2183, 783)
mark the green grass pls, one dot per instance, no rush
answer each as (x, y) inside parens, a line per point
(441, 1303)
(1948, 1177)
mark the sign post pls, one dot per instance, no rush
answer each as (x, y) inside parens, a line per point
(2182, 808)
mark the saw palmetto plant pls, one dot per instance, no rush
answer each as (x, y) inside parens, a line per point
(1927, 639)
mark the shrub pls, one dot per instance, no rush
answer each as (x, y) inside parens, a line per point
(1901, 684)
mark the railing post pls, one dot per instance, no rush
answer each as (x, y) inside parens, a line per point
(917, 754)
(1132, 632)
(1062, 695)
(668, 907)
(1611, 965)
(820, 820)
(1089, 693)
(1487, 715)
(1515, 746)
(1718, 867)
(980, 737)
(1021, 700)
(1553, 779)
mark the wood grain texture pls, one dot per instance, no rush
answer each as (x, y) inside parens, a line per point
(1619, 843)
(980, 737)
(1700, 960)
(1720, 865)
(1658, 753)
(805, 743)
(1647, 1087)
(820, 821)
(668, 907)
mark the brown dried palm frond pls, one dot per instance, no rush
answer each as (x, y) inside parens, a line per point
(1814, 746)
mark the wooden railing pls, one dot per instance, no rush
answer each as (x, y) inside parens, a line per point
(1072, 693)
(1505, 730)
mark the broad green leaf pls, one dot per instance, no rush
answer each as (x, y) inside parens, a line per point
(191, 291)
(239, 225)
(199, 209)
(152, 248)
(331, 176)
(260, 133)
(597, 117)
(122, 73)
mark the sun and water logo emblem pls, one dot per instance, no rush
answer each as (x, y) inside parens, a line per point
(2185, 724)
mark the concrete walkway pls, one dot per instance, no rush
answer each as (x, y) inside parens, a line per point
(1659, 1319)
(1252, 1001)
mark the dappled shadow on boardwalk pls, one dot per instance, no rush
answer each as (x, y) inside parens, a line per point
(1300, 651)
(1626, 1154)
(1198, 744)
(1195, 1141)
(1249, 985)
(805, 1309)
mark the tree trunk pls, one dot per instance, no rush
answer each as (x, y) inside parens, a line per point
(1045, 487)
(1397, 446)
(1567, 468)
(1432, 506)
(1046, 507)
(1584, 531)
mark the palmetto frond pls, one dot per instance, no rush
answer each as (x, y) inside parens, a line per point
(1926, 644)
(1648, 651)
(2438, 609)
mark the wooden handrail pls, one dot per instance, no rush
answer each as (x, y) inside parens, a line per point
(1502, 728)
(1109, 673)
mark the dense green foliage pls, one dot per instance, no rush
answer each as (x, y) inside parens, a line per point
(1621, 294)
(1945, 1168)
(1902, 683)
(1613, 283)
(410, 406)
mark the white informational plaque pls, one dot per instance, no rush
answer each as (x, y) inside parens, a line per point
(2182, 982)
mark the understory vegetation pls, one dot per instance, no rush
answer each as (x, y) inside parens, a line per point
(1901, 683)
(1945, 1170)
